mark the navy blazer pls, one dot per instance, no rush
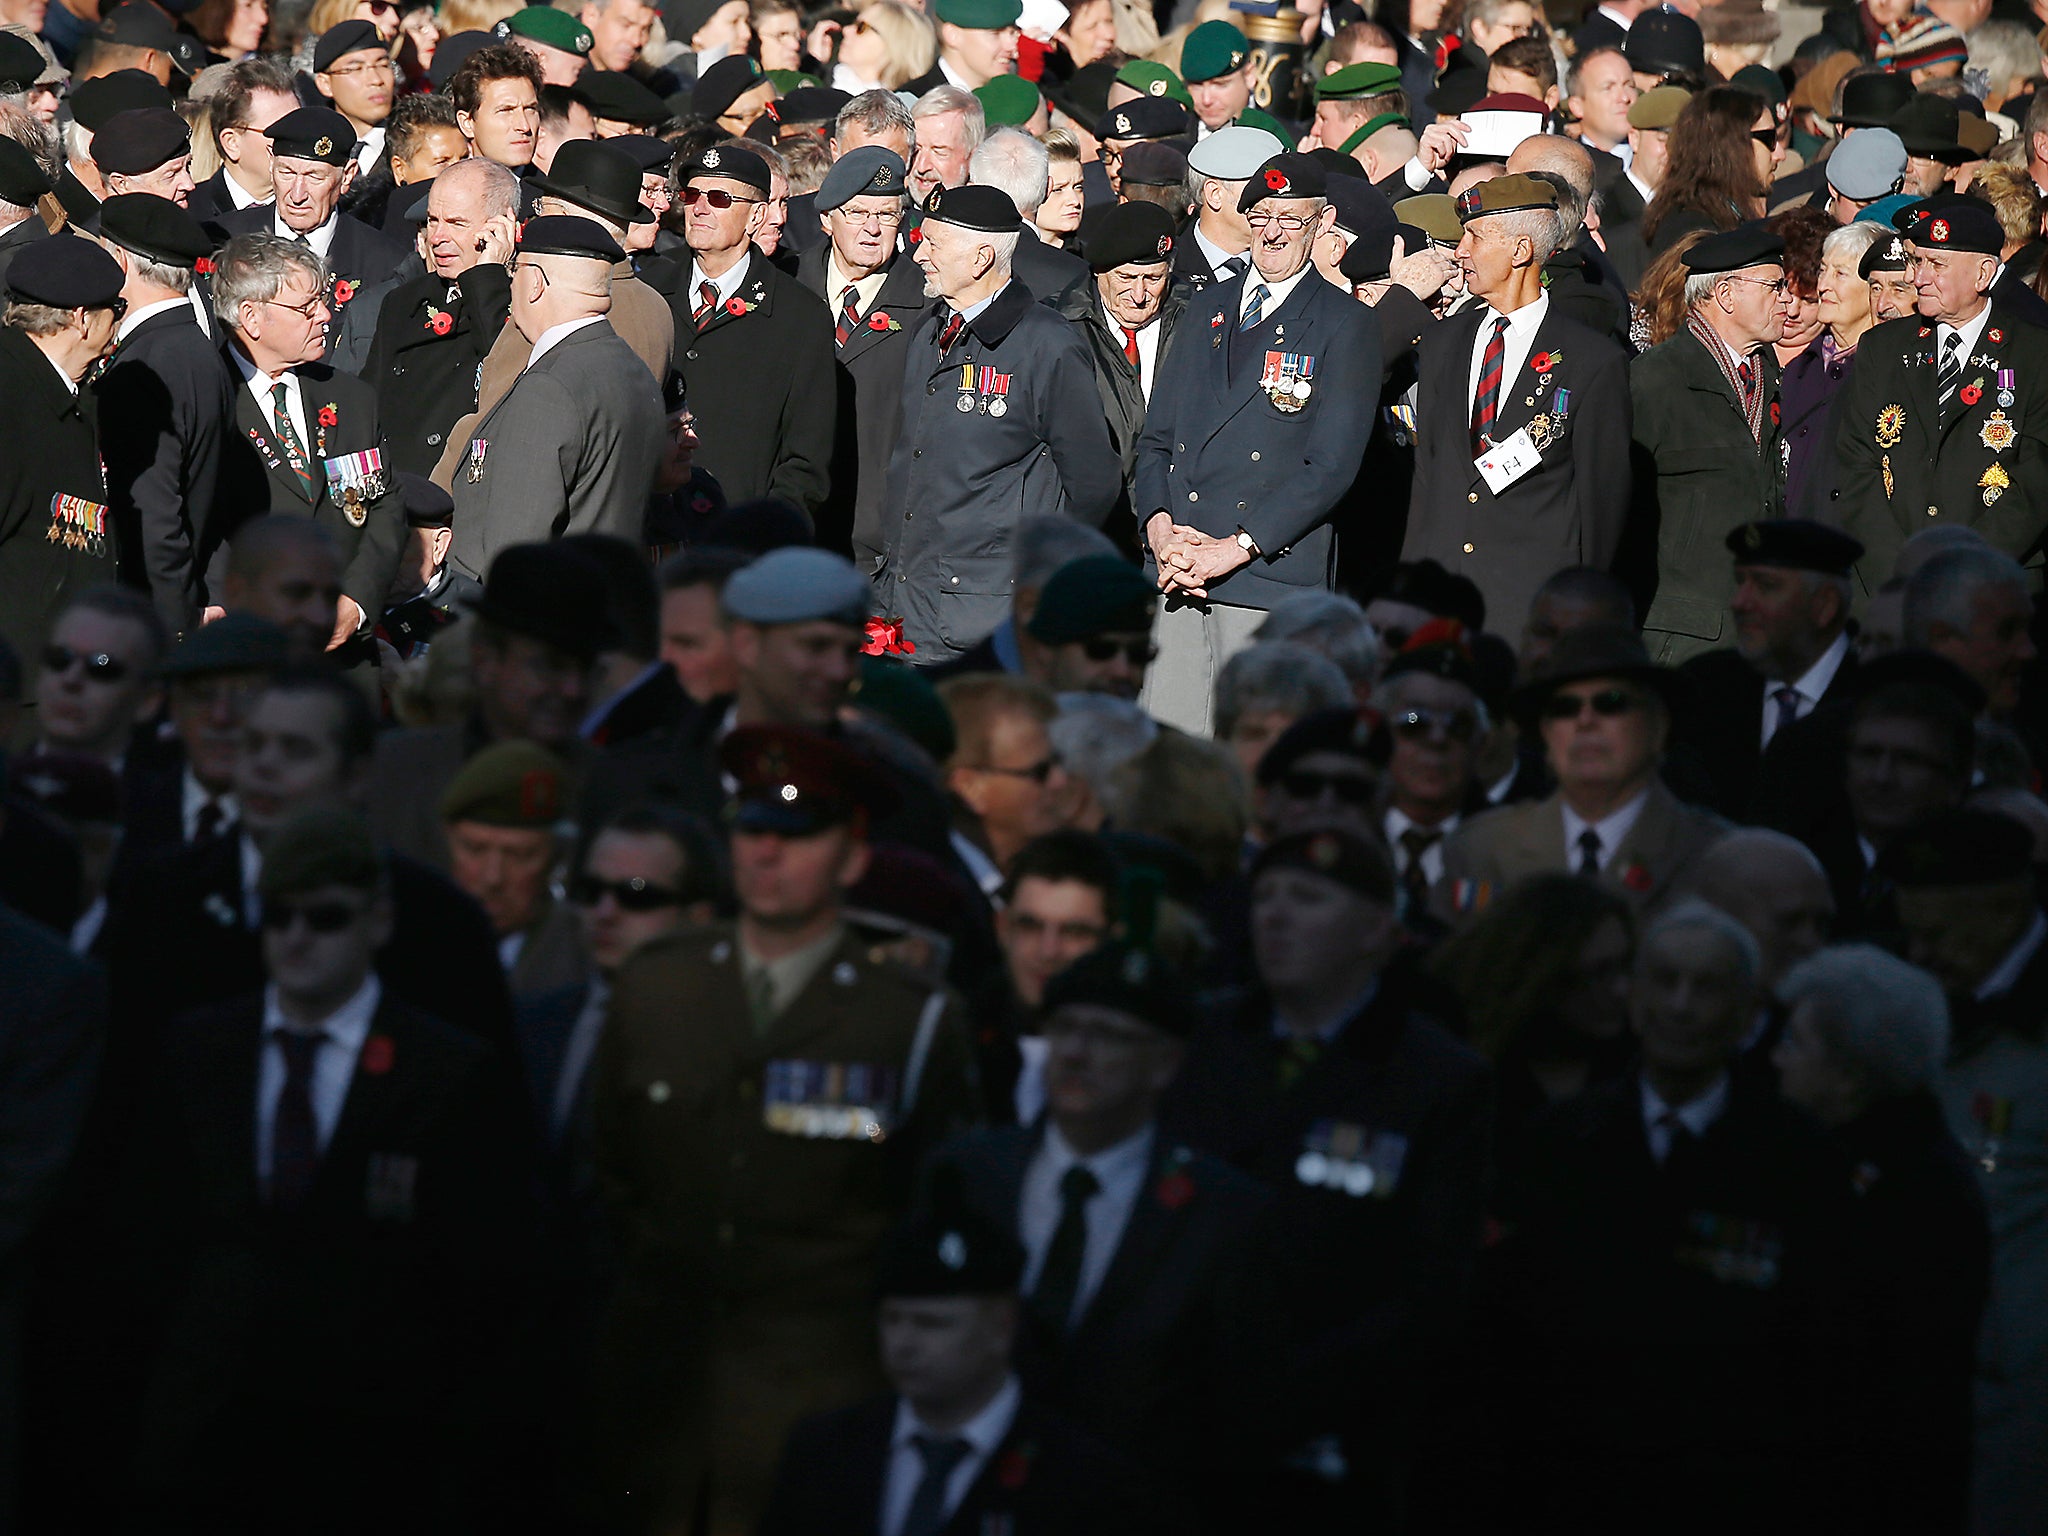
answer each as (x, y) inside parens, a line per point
(1221, 457)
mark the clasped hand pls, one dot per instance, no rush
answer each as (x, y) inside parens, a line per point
(1189, 559)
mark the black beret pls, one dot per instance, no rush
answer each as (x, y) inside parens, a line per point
(1870, 101)
(153, 227)
(1795, 544)
(136, 143)
(79, 205)
(313, 133)
(1886, 254)
(987, 209)
(731, 163)
(950, 1252)
(1362, 208)
(21, 175)
(1154, 164)
(125, 90)
(65, 272)
(1285, 175)
(1336, 853)
(809, 104)
(1746, 245)
(619, 98)
(1425, 584)
(236, 642)
(1128, 233)
(426, 504)
(1147, 117)
(1962, 225)
(1351, 732)
(139, 24)
(1672, 43)
(1128, 980)
(1335, 162)
(1960, 847)
(652, 155)
(451, 52)
(561, 234)
(342, 39)
(20, 62)
(723, 84)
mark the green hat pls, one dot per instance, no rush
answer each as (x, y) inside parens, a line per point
(1356, 82)
(1007, 101)
(1505, 194)
(903, 697)
(545, 25)
(320, 845)
(1154, 80)
(238, 642)
(512, 784)
(787, 80)
(1094, 595)
(1213, 50)
(981, 15)
(1252, 117)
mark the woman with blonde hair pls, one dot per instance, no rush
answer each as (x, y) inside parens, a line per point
(327, 14)
(476, 15)
(1059, 216)
(883, 47)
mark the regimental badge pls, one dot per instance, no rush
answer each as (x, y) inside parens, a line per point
(1542, 431)
(1123, 124)
(1998, 433)
(1994, 484)
(709, 159)
(1891, 425)
(1886, 465)
(1156, 88)
(323, 147)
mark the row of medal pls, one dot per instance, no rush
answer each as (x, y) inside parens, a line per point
(982, 389)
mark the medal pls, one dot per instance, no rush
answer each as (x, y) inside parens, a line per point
(965, 404)
(1994, 483)
(1891, 424)
(1997, 433)
(996, 407)
(478, 447)
(1886, 465)
(352, 507)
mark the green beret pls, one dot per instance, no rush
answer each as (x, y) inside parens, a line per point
(1505, 194)
(549, 27)
(1094, 595)
(980, 15)
(237, 642)
(1008, 101)
(1434, 213)
(1213, 50)
(787, 80)
(321, 845)
(1357, 82)
(903, 697)
(1154, 80)
(1252, 117)
(512, 784)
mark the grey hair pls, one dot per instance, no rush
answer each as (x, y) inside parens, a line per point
(77, 141)
(252, 268)
(874, 111)
(941, 99)
(1013, 162)
(1005, 247)
(1277, 674)
(1042, 544)
(1850, 241)
(1570, 213)
(1885, 1020)
(500, 189)
(1699, 286)
(2005, 51)
(1691, 912)
(177, 279)
(1330, 624)
(35, 319)
(1095, 734)
(1945, 589)
(1544, 228)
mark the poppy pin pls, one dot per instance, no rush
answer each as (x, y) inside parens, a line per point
(1636, 878)
(1970, 394)
(1276, 179)
(344, 290)
(328, 415)
(378, 1054)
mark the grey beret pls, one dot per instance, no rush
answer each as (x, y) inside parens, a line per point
(870, 169)
(1233, 153)
(1867, 164)
(798, 585)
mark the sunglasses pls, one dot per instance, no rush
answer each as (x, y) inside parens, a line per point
(320, 916)
(1768, 137)
(717, 198)
(101, 668)
(1037, 773)
(1139, 653)
(1416, 724)
(1608, 701)
(1349, 788)
(635, 895)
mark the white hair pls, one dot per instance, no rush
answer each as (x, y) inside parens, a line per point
(1330, 624)
(1095, 734)
(1277, 675)
(1885, 1020)
(1692, 913)
(941, 99)
(1850, 241)
(1013, 162)
(1944, 590)
(252, 268)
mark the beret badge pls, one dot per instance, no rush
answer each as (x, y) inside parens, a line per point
(1156, 88)
(323, 145)
(1123, 123)
(710, 159)
(1939, 229)
(1166, 245)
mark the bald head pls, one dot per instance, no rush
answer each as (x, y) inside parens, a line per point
(553, 289)
(1774, 886)
(1559, 156)
(483, 185)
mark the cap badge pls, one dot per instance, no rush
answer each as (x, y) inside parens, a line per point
(537, 794)
(1752, 538)
(1236, 57)
(1166, 245)
(1156, 88)
(1123, 123)
(583, 42)
(710, 159)
(1939, 230)
(323, 145)
(884, 176)
(953, 1251)
(1999, 433)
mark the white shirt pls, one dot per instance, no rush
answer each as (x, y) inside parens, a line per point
(509, 949)
(1970, 330)
(2006, 974)
(1613, 830)
(260, 384)
(979, 865)
(1621, 21)
(321, 239)
(1276, 293)
(1215, 255)
(1516, 341)
(837, 279)
(369, 150)
(953, 76)
(1147, 338)
(727, 286)
(1695, 1117)
(578, 1053)
(1810, 686)
(555, 333)
(86, 931)
(976, 308)
(334, 1066)
(1121, 1172)
(983, 1433)
(194, 797)
(239, 196)
(1417, 175)
(1649, 192)
(1029, 1094)
(1398, 822)
(135, 317)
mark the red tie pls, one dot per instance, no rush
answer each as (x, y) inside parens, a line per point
(849, 314)
(1487, 406)
(1130, 345)
(951, 333)
(707, 304)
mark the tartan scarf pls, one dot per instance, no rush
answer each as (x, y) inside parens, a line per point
(1728, 362)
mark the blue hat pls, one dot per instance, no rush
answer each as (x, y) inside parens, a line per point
(798, 584)
(871, 170)
(1233, 153)
(1867, 164)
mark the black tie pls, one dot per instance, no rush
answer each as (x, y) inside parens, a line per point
(1059, 1282)
(1787, 700)
(1589, 852)
(294, 1135)
(1234, 267)
(928, 1506)
(211, 820)
(1415, 842)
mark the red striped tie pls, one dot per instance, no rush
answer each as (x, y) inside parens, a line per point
(951, 333)
(1487, 406)
(707, 304)
(849, 315)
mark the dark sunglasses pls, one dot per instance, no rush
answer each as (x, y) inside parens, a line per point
(635, 895)
(1139, 653)
(1037, 773)
(320, 916)
(1608, 701)
(101, 668)
(1768, 137)
(1416, 724)
(715, 196)
(1303, 785)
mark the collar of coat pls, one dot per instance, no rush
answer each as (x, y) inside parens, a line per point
(994, 324)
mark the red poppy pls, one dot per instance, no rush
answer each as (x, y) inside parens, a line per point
(344, 290)
(441, 323)
(1276, 179)
(878, 321)
(1543, 362)
(735, 306)
(1970, 394)
(203, 266)
(914, 236)
(1777, 413)
(1636, 878)
(1013, 1469)
(378, 1053)
(1175, 1190)
(327, 416)
(885, 638)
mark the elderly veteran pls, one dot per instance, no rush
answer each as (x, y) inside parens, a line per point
(1944, 419)
(1707, 444)
(146, 150)
(1887, 268)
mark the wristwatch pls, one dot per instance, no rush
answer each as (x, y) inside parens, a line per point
(1246, 543)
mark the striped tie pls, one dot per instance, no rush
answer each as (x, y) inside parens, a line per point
(849, 314)
(1951, 371)
(1255, 306)
(950, 333)
(707, 302)
(1487, 405)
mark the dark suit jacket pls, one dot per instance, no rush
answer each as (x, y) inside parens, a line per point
(1722, 723)
(426, 379)
(2017, 294)
(210, 198)
(359, 253)
(1045, 269)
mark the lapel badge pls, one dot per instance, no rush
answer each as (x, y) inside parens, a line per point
(1891, 423)
(1998, 433)
(1994, 483)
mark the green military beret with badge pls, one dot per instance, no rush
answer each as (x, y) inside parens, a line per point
(1150, 79)
(1213, 50)
(549, 27)
(1096, 594)
(235, 642)
(319, 846)
(509, 784)
(979, 15)
(1359, 82)
(1008, 101)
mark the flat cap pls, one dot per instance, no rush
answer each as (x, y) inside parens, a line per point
(1285, 175)
(723, 84)
(1154, 79)
(797, 782)
(1959, 848)
(426, 504)
(872, 170)
(1930, 126)
(1963, 225)
(1794, 544)
(951, 1253)
(1126, 980)
(1154, 164)
(1671, 44)
(509, 784)
(313, 133)
(154, 227)
(1887, 253)
(1358, 82)
(125, 90)
(1213, 50)
(21, 175)
(1008, 101)
(343, 39)
(798, 584)
(1335, 853)
(987, 209)
(979, 15)
(1234, 153)
(1131, 234)
(1149, 117)
(21, 63)
(1658, 107)
(318, 846)
(1746, 245)
(1097, 594)
(616, 97)
(734, 164)
(1867, 165)
(1353, 733)
(236, 642)
(549, 27)
(1435, 214)
(65, 271)
(1870, 101)
(136, 143)
(1505, 194)
(564, 234)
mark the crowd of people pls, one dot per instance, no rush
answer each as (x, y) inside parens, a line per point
(1019, 767)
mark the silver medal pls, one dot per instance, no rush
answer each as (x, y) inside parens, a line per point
(996, 406)
(964, 404)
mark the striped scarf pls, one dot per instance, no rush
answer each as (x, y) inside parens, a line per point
(1728, 362)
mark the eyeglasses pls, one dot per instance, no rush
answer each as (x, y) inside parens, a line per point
(305, 311)
(859, 218)
(1416, 724)
(1293, 223)
(1781, 287)
(117, 306)
(367, 67)
(100, 667)
(531, 266)
(1038, 773)
(718, 199)
(1352, 789)
(320, 916)
(634, 895)
(1608, 701)
(1768, 137)
(1139, 653)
